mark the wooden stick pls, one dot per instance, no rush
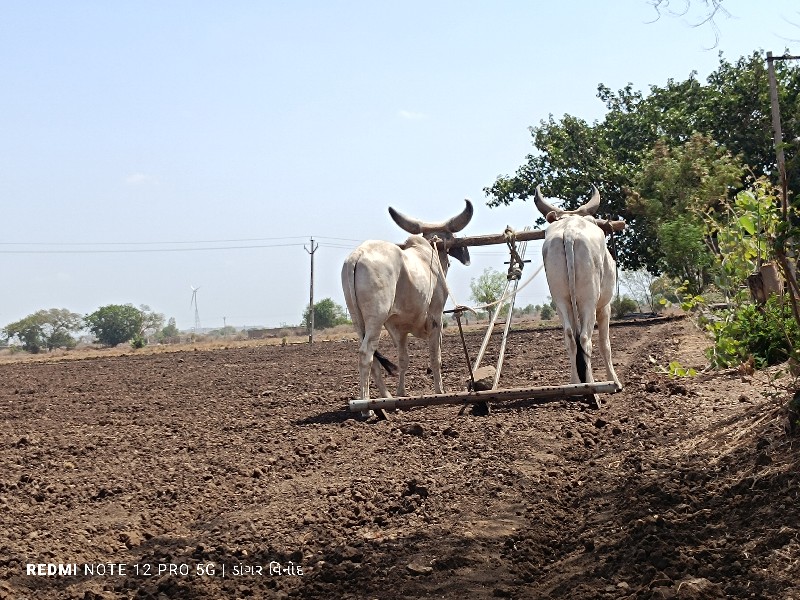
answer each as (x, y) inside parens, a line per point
(549, 391)
(496, 238)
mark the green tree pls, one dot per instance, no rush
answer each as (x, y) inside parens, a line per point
(732, 108)
(170, 331)
(547, 312)
(45, 329)
(152, 322)
(115, 323)
(743, 232)
(675, 189)
(488, 287)
(326, 314)
(623, 305)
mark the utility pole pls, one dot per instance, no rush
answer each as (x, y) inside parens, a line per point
(789, 268)
(311, 293)
(776, 127)
(776, 130)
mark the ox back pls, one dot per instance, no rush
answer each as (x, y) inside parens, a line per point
(581, 274)
(401, 288)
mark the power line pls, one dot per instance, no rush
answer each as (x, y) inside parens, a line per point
(145, 250)
(97, 247)
(94, 247)
(139, 243)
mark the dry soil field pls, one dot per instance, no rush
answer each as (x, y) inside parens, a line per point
(237, 473)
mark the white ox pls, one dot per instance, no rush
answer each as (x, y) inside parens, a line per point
(581, 275)
(403, 288)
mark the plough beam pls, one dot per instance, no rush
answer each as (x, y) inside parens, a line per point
(548, 391)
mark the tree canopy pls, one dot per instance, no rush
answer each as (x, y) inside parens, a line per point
(488, 287)
(326, 314)
(45, 329)
(731, 111)
(115, 323)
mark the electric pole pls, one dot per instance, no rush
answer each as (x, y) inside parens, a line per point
(311, 293)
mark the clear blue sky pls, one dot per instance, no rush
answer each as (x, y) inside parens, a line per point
(246, 127)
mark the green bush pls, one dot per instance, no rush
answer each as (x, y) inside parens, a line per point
(115, 324)
(767, 333)
(622, 305)
(546, 313)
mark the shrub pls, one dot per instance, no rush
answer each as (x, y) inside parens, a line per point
(622, 305)
(765, 332)
(546, 313)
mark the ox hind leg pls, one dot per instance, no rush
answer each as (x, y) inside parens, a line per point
(571, 342)
(603, 317)
(400, 340)
(583, 339)
(368, 365)
(435, 352)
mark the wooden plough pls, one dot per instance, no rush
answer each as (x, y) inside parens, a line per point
(480, 397)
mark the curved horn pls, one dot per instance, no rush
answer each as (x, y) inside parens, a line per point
(458, 223)
(451, 225)
(542, 205)
(592, 205)
(408, 224)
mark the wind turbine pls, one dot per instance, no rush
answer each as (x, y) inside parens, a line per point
(196, 312)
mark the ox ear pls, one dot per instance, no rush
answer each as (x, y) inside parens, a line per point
(618, 225)
(408, 224)
(542, 205)
(592, 205)
(460, 221)
(460, 254)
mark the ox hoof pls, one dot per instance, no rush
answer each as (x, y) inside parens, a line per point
(593, 401)
(378, 415)
(480, 409)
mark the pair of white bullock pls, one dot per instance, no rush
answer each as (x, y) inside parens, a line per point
(402, 287)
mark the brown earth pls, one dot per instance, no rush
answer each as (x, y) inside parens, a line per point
(682, 487)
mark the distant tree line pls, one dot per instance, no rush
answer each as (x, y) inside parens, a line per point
(110, 325)
(115, 324)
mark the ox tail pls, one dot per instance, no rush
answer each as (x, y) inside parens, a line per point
(349, 278)
(349, 285)
(580, 352)
(390, 367)
(580, 358)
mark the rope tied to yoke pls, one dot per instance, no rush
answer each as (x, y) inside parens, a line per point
(515, 263)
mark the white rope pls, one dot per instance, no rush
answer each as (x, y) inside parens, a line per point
(475, 309)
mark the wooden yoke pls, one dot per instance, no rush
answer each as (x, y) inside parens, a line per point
(497, 238)
(607, 225)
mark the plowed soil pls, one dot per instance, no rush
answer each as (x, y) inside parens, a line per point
(238, 473)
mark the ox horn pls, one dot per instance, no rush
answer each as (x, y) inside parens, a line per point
(542, 205)
(592, 205)
(408, 224)
(414, 226)
(460, 221)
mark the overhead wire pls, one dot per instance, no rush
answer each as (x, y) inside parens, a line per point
(103, 247)
(135, 247)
